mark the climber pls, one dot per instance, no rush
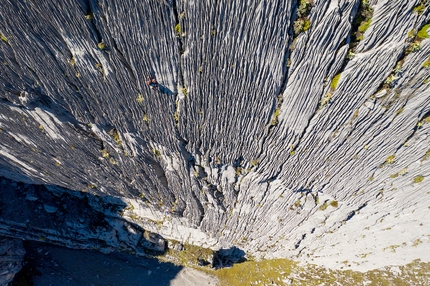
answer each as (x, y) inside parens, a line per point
(153, 84)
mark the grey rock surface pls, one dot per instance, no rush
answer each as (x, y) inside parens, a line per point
(245, 143)
(11, 259)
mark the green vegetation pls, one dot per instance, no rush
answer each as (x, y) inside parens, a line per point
(364, 25)
(3, 38)
(422, 34)
(101, 46)
(184, 91)
(323, 207)
(72, 61)
(139, 98)
(326, 99)
(418, 179)
(411, 33)
(393, 77)
(390, 81)
(189, 256)
(426, 64)
(178, 29)
(306, 25)
(390, 159)
(413, 47)
(274, 120)
(335, 81)
(362, 21)
(302, 23)
(91, 186)
(419, 9)
(176, 118)
(89, 16)
(249, 272)
(427, 155)
(156, 152)
(403, 171)
(115, 135)
(105, 153)
(288, 272)
(415, 44)
(417, 242)
(238, 171)
(334, 204)
(400, 111)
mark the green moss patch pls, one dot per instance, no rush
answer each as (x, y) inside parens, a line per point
(364, 25)
(288, 272)
(178, 29)
(422, 34)
(418, 179)
(256, 273)
(335, 82)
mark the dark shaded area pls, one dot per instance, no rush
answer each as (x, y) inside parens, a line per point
(73, 219)
(82, 221)
(228, 257)
(53, 265)
(28, 271)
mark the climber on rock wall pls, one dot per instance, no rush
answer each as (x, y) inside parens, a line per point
(153, 84)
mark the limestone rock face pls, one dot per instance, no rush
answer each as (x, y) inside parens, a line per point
(282, 128)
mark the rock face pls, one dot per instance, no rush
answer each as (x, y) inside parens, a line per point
(282, 128)
(11, 257)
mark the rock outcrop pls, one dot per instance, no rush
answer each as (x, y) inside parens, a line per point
(11, 258)
(282, 128)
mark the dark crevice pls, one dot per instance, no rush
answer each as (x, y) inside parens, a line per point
(297, 245)
(354, 212)
(181, 45)
(360, 23)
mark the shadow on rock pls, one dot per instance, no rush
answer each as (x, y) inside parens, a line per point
(165, 90)
(47, 264)
(227, 257)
